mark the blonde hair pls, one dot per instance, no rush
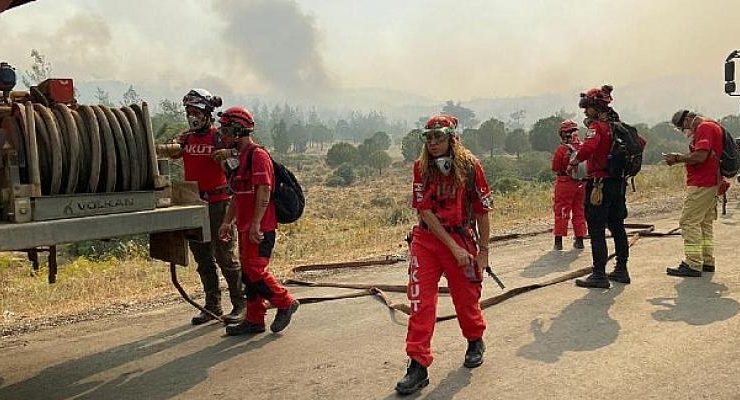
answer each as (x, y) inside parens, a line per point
(462, 159)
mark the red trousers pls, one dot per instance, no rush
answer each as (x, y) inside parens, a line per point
(569, 196)
(430, 258)
(261, 285)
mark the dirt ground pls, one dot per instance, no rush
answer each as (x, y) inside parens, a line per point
(658, 338)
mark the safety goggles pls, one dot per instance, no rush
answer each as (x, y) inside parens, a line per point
(191, 100)
(229, 129)
(436, 136)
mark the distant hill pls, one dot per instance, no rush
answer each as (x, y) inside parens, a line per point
(651, 102)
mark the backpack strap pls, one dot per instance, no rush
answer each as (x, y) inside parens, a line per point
(249, 157)
(249, 162)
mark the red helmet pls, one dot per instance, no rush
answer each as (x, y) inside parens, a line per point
(568, 126)
(237, 115)
(596, 97)
(441, 122)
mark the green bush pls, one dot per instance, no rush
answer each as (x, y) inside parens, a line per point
(411, 145)
(342, 176)
(498, 167)
(334, 181)
(379, 160)
(341, 153)
(546, 176)
(532, 164)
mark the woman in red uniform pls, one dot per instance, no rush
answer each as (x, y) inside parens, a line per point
(452, 199)
(569, 190)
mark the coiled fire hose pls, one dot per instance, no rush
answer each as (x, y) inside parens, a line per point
(84, 149)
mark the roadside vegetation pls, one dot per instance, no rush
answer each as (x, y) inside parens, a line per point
(367, 219)
(355, 170)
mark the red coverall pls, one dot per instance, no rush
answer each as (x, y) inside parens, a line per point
(261, 284)
(569, 194)
(430, 258)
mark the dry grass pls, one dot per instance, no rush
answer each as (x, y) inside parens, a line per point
(82, 285)
(369, 219)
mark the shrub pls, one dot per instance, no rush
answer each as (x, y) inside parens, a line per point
(334, 181)
(342, 176)
(341, 153)
(411, 145)
(498, 167)
(379, 160)
(532, 164)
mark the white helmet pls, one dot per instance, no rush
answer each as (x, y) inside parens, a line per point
(201, 99)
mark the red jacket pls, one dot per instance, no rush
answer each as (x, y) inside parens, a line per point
(595, 149)
(244, 182)
(447, 201)
(202, 168)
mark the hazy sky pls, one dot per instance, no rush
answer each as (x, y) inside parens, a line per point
(434, 48)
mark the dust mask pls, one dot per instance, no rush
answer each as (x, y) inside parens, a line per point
(196, 123)
(444, 164)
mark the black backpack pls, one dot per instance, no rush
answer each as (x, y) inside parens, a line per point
(625, 155)
(287, 193)
(729, 163)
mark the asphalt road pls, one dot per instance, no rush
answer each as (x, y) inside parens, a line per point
(658, 338)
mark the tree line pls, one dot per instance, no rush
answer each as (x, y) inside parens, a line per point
(364, 137)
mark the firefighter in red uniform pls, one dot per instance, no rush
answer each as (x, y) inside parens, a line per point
(197, 147)
(605, 202)
(569, 190)
(251, 181)
(452, 199)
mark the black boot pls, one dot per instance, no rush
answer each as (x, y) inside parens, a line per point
(597, 279)
(558, 243)
(282, 317)
(578, 243)
(236, 295)
(416, 378)
(620, 274)
(683, 270)
(211, 289)
(236, 315)
(707, 268)
(202, 317)
(244, 328)
(474, 354)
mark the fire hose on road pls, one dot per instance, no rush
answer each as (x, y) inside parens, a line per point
(636, 232)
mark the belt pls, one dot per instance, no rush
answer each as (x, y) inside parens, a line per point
(215, 192)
